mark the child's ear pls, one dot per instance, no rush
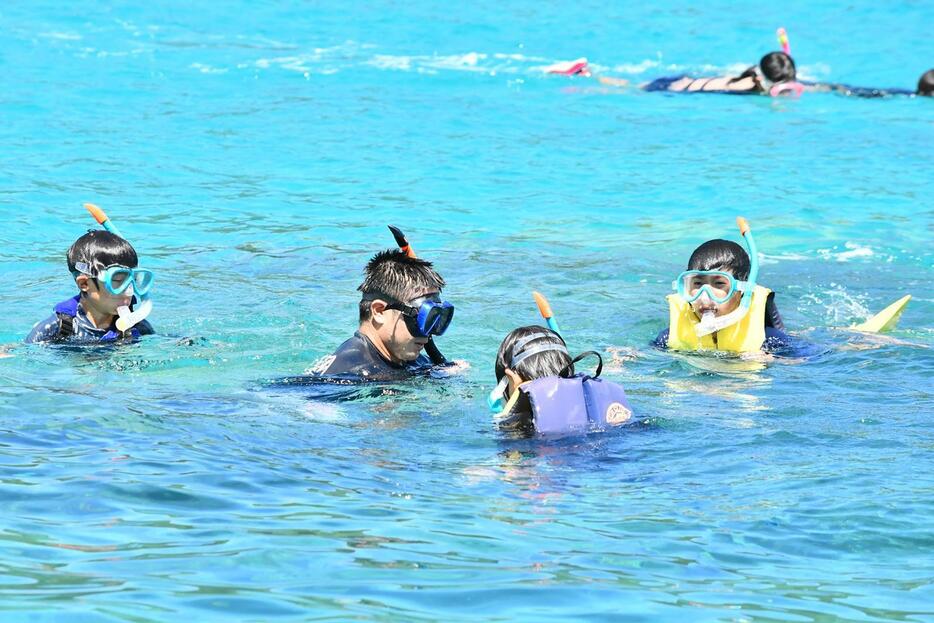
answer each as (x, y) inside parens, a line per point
(514, 379)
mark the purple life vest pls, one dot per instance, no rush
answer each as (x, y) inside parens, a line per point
(577, 404)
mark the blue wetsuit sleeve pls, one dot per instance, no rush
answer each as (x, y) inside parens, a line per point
(145, 328)
(661, 341)
(45, 331)
(772, 317)
(777, 341)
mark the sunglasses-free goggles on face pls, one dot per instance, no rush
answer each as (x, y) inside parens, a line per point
(719, 286)
(425, 316)
(117, 279)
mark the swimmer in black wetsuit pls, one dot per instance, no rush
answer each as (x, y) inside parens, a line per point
(400, 310)
(925, 88)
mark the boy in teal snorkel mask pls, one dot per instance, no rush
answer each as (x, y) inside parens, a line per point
(104, 267)
(719, 305)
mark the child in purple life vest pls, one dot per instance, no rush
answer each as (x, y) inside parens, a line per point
(539, 393)
(104, 268)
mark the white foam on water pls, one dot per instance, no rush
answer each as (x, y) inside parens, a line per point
(388, 61)
(62, 36)
(207, 69)
(634, 68)
(840, 307)
(765, 258)
(853, 251)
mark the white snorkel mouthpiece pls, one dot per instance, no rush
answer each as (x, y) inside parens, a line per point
(711, 323)
(127, 318)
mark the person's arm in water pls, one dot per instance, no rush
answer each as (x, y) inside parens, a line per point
(44, 331)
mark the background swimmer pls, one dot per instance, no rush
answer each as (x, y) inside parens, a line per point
(775, 75)
(925, 88)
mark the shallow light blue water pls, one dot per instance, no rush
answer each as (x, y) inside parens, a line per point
(254, 156)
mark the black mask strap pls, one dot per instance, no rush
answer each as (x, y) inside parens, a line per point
(586, 353)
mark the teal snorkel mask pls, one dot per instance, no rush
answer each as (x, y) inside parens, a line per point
(719, 286)
(118, 279)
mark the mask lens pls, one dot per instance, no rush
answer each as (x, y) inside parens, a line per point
(142, 281)
(717, 285)
(434, 318)
(116, 280)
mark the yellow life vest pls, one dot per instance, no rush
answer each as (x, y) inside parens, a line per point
(745, 336)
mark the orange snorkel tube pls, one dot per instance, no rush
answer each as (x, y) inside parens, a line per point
(430, 348)
(544, 308)
(102, 219)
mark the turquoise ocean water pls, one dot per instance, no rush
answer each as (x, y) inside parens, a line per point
(254, 155)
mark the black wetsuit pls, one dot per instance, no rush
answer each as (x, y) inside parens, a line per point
(863, 92)
(358, 357)
(776, 339)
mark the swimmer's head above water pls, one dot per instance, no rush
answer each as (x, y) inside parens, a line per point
(778, 69)
(401, 306)
(102, 265)
(715, 277)
(526, 354)
(926, 84)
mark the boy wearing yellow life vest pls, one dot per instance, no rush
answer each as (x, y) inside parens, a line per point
(719, 304)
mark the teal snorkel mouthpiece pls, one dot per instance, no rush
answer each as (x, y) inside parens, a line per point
(712, 323)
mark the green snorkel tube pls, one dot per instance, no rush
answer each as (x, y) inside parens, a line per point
(430, 348)
(712, 323)
(126, 318)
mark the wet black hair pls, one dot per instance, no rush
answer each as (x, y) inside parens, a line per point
(394, 275)
(926, 83)
(778, 67)
(750, 72)
(547, 363)
(721, 255)
(100, 249)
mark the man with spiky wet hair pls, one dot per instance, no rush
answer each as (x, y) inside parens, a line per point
(400, 310)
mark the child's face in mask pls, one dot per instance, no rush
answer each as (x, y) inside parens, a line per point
(720, 286)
